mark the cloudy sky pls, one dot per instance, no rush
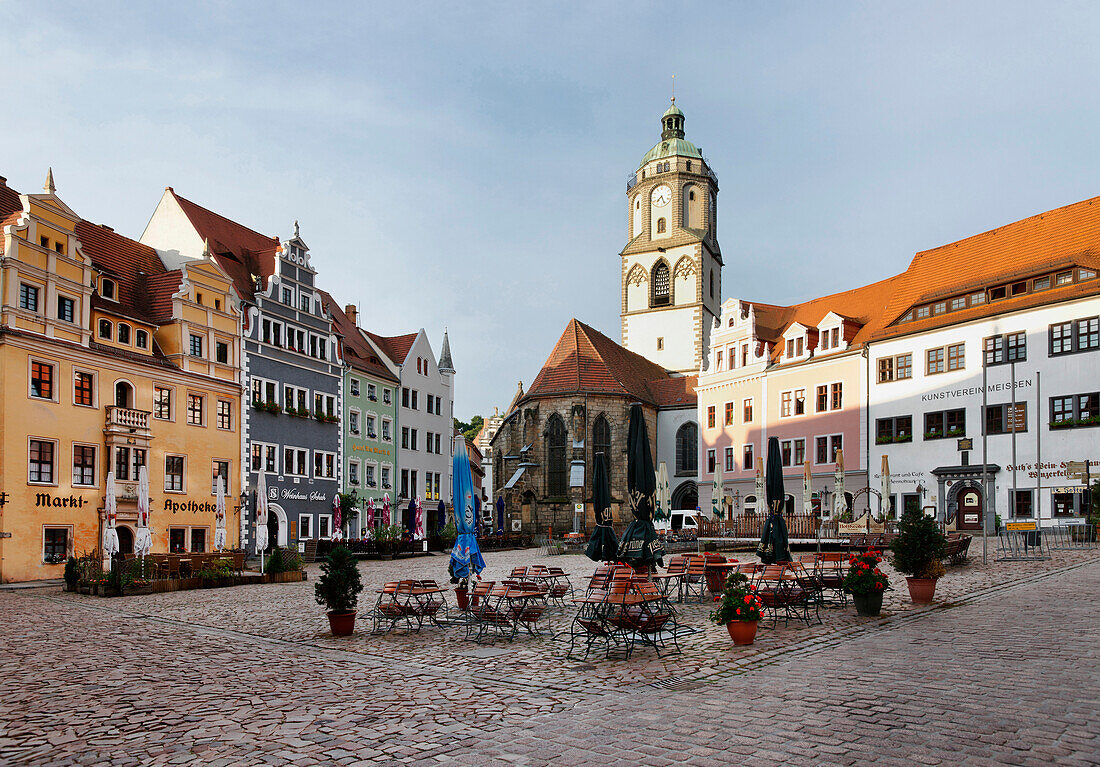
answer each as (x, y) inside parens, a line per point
(464, 164)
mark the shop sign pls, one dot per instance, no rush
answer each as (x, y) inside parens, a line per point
(968, 391)
(294, 494)
(208, 507)
(1018, 527)
(59, 501)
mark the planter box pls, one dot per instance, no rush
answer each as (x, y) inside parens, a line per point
(293, 576)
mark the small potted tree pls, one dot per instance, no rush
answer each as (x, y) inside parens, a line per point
(866, 583)
(72, 573)
(918, 551)
(738, 609)
(338, 589)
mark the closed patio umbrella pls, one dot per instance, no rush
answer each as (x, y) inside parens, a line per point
(409, 519)
(807, 491)
(773, 545)
(337, 518)
(500, 515)
(466, 560)
(386, 510)
(110, 509)
(717, 506)
(143, 541)
(441, 512)
(840, 499)
(418, 519)
(261, 515)
(640, 546)
(662, 509)
(887, 497)
(219, 515)
(761, 493)
(370, 517)
(603, 546)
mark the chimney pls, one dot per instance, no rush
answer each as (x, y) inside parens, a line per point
(3, 181)
(352, 313)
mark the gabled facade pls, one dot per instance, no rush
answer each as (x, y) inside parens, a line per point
(110, 361)
(369, 419)
(425, 419)
(293, 369)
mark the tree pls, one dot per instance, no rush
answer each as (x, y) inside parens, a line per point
(475, 426)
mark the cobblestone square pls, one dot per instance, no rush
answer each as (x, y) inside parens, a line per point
(1001, 670)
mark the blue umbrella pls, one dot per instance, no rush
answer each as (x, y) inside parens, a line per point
(410, 516)
(466, 559)
(500, 515)
(441, 512)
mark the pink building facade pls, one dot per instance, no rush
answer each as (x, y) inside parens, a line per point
(796, 373)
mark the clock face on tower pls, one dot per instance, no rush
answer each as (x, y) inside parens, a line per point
(661, 195)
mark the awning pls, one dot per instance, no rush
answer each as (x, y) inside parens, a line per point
(576, 474)
(515, 478)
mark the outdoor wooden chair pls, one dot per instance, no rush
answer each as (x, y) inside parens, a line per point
(560, 585)
(388, 610)
(646, 620)
(694, 580)
(811, 596)
(831, 568)
(672, 577)
(779, 592)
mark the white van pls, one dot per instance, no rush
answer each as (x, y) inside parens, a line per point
(681, 520)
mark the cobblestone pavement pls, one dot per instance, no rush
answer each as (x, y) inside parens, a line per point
(1003, 670)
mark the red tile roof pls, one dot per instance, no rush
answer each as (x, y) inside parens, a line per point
(395, 347)
(161, 289)
(132, 265)
(586, 361)
(675, 391)
(240, 251)
(357, 352)
(9, 201)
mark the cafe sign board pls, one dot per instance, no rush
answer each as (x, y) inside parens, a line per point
(1019, 527)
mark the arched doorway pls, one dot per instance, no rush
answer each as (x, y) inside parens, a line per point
(125, 539)
(685, 497)
(276, 526)
(968, 505)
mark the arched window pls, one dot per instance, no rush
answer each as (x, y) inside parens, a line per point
(601, 440)
(687, 449)
(124, 394)
(123, 333)
(557, 484)
(691, 196)
(660, 226)
(662, 286)
(712, 283)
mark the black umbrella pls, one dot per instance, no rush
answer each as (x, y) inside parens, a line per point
(603, 546)
(640, 545)
(774, 546)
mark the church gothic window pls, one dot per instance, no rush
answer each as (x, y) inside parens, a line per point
(557, 484)
(687, 449)
(662, 289)
(601, 440)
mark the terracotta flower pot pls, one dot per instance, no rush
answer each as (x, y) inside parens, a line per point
(342, 623)
(715, 580)
(921, 590)
(869, 604)
(742, 632)
(462, 596)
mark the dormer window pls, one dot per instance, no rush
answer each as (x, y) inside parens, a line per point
(107, 289)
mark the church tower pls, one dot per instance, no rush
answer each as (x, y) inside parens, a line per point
(671, 265)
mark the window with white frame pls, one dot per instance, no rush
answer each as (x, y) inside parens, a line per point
(56, 544)
(387, 430)
(354, 386)
(43, 380)
(324, 526)
(353, 473)
(219, 468)
(296, 399)
(353, 421)
(295, 461)
(173, 473)
(372, 432)
(264, 391)
(263, 457)
(196, 407)
(84, 465)
(162, 403)
(324, 464)
(372, 393)
(28, 297)
(41, 458)
(386, 471)
(225, 415)
(305, 526)
(369, 474)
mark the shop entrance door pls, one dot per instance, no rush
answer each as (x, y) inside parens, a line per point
(969, 515)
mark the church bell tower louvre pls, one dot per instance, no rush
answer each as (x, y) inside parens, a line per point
(671, 264)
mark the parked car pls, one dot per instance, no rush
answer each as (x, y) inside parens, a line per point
(681, 520)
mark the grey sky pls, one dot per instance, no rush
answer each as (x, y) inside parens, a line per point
(465, 164)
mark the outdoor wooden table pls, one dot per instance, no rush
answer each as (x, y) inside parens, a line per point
(716, 574)
(418, 603)
(526, 606)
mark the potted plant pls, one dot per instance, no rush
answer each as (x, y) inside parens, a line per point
(918, 550)
(866, 583)
(72, 574)
(462, 593)
(338, 589)
(738, 609)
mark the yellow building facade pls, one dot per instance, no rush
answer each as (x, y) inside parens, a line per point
(109, 360)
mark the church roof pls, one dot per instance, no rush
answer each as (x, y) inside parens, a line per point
(673, 147)
(445, 362)
(585, 361)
